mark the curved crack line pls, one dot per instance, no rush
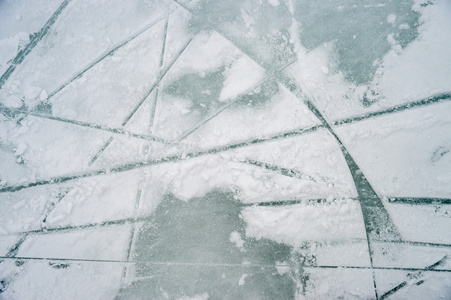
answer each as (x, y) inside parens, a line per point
(334, 134)
(34, 40)
(376, 218)
(373, 210)
(371, 204)
(367, 196)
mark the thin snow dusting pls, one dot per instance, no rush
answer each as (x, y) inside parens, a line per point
(200, 149)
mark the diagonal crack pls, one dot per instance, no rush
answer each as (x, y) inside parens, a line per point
(13, 112)
(405, 283)
(107, 143)
(377, 220)
(439, 98)
(157, 82)
(34, 40)
(130, 244)
(101, 150)
(166, 159)
(285, 171)
(106, 54)
(378, 224)
(237, 100)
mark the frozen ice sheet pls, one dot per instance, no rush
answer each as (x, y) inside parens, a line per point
(26, 209)
(110, 244)
(51, 279)
(111, 197)
(199, 149)
(404, 156)
(24, 18)
(409, 285)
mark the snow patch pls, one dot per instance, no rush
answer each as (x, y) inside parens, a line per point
(203, 296)
(13, 102)
(242, 75)
(391, 19)
(235, 237)
(274, 2)
(242, 280)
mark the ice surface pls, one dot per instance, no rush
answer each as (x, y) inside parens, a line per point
(212, 255)
(201, 149)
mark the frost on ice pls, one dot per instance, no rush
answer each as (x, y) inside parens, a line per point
(200, 149)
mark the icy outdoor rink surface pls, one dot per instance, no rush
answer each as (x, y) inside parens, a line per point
(255, 149)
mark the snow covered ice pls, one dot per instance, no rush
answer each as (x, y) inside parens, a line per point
(201, 149)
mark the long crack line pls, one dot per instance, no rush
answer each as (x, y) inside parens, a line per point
(215, 265)
(173, 158)
(13, 111)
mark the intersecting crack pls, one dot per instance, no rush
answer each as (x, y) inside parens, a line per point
(378, 224)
